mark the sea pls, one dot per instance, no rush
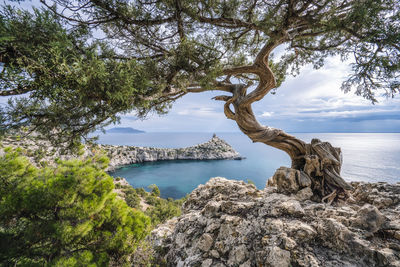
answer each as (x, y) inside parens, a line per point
(369, 157)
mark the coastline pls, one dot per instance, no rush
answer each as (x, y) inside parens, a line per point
(214, 149)
(42, 152)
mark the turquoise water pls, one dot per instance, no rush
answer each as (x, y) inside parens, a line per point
(369, 157)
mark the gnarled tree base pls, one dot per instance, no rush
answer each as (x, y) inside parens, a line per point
(320, 172)
(323, 163)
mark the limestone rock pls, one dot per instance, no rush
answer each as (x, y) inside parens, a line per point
(381, 195)
(278, 257)
(231, 223)
(289, 181)
(205, 243)
(237, 255)
(207, 263)
(285, 179)
(304, 194)
(369, 218)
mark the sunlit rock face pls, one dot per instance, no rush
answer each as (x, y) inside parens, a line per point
(231, 223)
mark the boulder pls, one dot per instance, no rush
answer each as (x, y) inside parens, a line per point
(369, 218)
(289, 181)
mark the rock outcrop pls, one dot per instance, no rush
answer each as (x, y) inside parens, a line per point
(231, 223)
(215, 148)
(42, 151)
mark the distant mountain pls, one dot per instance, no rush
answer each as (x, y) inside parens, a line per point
(123, 130)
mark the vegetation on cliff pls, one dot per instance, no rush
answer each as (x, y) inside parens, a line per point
(158, 209)
(64, 215)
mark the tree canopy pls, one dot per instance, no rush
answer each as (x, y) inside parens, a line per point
(65, 215)
(77, 65)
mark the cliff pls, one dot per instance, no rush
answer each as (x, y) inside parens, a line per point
(231, 223)
(41, 151)
(216, 148)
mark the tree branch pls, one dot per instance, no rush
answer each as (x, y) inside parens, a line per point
(267, 78)
(17, 91)
(240, 70)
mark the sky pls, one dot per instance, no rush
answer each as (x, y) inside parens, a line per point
(309, 102)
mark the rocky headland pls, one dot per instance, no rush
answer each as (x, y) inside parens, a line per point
(232, 223)
(215, 148)
(42, 151)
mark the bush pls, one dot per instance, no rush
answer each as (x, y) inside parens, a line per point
(250, 182)
(65, 215)
(154, 190)
(141, 192)
(131, 197)
(152, 200)
(163, 209)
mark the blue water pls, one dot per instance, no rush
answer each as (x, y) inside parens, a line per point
(368, 157)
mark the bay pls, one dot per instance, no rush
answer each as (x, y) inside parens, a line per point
(370, 157)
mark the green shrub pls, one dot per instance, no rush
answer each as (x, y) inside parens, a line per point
(250, 182)
(141, 192)
(152, 200)
(118, 186)
(163, 210)
(65, 215)
(131, 197)
(154, 190)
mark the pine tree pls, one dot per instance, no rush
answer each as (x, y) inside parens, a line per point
(66, 215)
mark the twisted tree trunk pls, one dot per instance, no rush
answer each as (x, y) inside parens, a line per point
(319, 160)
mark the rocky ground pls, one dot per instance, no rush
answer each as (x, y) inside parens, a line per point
(41, 151)
(231, 223)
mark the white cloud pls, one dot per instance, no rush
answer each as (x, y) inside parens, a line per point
(267, 114)
(199, 112)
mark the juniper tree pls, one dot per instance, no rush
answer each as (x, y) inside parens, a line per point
(93, 59)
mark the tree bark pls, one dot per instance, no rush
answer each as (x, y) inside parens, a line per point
(319, 160)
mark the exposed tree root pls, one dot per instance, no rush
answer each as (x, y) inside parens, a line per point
(330, 197)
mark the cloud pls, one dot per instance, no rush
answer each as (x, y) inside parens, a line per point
(199, 111)
(267, 114)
